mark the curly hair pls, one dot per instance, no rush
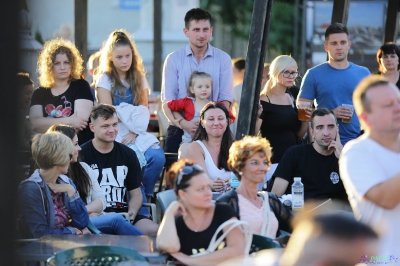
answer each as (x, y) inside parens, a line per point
(135, 73)
(227, 138)
(48, 55)
(242, 150)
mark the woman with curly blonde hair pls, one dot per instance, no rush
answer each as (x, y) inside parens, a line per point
(120, 81)
(63, 96)
(249, 160)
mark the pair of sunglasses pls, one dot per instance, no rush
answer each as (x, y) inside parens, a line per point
(187, 170)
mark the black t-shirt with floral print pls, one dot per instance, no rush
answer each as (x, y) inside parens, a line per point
(63, 105)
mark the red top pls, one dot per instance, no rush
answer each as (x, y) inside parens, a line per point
(186, 104)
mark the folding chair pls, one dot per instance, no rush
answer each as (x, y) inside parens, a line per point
(165, 198)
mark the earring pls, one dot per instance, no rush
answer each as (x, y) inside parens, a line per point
(240, 173)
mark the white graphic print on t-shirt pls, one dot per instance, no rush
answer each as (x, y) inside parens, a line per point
(114, 188)
(334, 178)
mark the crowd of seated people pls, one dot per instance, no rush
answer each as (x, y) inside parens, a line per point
(95, 160)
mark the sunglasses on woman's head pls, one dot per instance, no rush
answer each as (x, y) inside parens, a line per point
(187, 170)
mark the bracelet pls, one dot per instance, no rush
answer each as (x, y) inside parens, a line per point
(74, 197)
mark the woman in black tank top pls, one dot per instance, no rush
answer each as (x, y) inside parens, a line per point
(278, 122)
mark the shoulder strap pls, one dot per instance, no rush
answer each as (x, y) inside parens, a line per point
(268, 98)
(266, 225)
(290, 99)
(231, 224)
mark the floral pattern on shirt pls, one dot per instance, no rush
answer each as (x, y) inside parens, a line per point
(61, 212)
(59, 111)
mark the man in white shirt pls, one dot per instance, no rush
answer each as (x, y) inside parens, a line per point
(370, 165)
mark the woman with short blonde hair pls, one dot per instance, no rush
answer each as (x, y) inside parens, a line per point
(49, 150)
(63, 96)
(49, 201)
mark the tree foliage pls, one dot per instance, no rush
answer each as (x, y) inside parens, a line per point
(237, 16)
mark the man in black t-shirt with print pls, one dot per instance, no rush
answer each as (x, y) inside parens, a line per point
(316, 163)
(119, 172)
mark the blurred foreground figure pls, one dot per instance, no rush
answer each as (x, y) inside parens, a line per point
(330, 239)
(369, 166)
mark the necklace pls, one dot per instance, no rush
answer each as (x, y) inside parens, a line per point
(202, 221)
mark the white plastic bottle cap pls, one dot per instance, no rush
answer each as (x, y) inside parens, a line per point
(297, 179)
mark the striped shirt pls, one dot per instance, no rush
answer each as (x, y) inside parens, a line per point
(180, 64)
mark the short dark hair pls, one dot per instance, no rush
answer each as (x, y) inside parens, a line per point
(335, 28)
(386, 49)
(321, 112)
(102, 110)
(23, 79)
(239, 63)
(196, 14)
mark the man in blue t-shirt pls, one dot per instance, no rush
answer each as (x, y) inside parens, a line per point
(332, 83)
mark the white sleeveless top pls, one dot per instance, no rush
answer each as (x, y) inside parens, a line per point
(213, 170)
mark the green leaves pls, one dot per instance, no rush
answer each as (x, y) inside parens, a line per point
(236, 15)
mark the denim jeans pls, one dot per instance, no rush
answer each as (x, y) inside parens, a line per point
(144, 210)
(155, 162)
(115, 224)
(173, 139)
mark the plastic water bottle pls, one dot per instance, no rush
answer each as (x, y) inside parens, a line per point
(234, 181)
(297, 194)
